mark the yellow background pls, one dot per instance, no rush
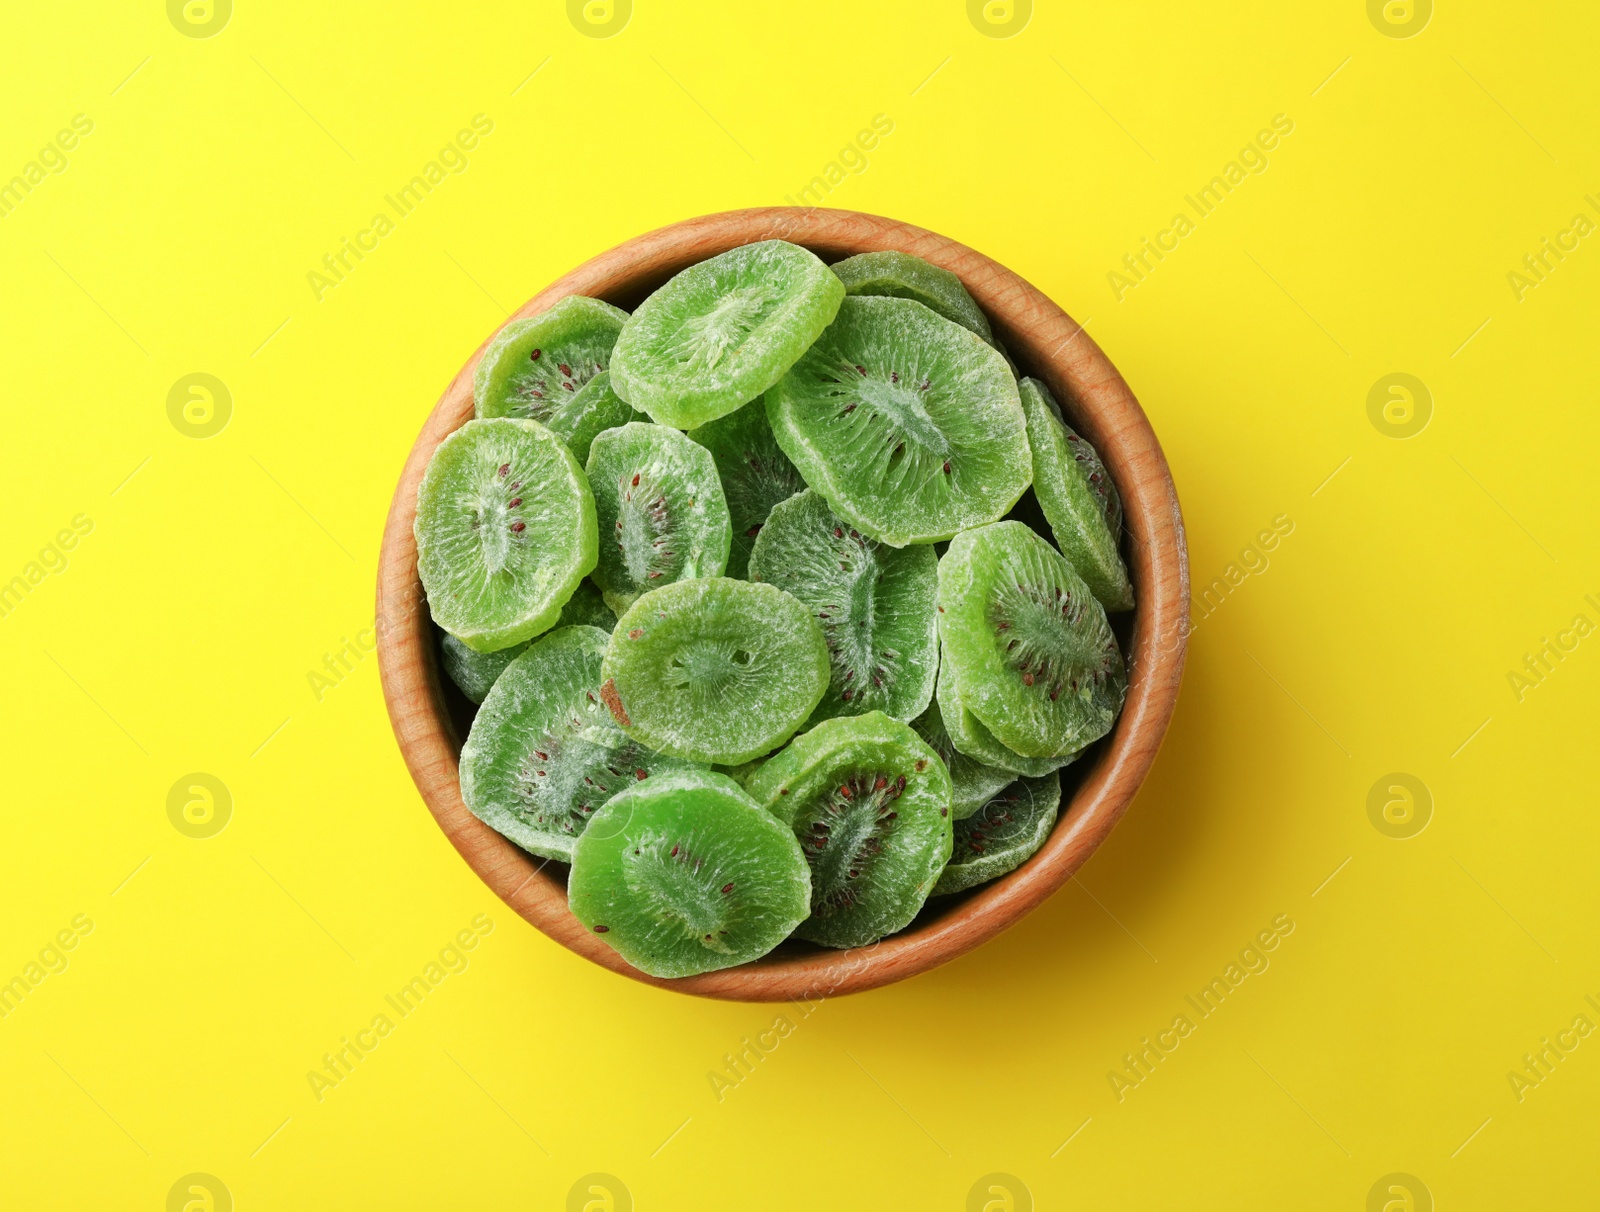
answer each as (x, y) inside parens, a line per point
(180, 636)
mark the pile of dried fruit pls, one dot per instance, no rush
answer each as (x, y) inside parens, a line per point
(759, 650)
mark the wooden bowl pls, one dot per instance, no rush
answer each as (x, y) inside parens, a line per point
(431, 718)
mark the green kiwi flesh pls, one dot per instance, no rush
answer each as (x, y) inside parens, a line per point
(505, 531)
(908, 425)
(869, 802)
(660, 509)
(684, 874)
(875, 604)
(544, 753)
(904, 276)
(1025, 644)
(533, 368)
(715, 670)
(1077, 497)
(1002, 835)
(722, 331)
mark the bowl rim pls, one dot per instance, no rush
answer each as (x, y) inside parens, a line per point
(1095, 400)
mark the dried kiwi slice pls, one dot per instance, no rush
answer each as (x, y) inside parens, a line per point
(505, 531)
(1002, 835)
(544, 754)
(1025, 643)
(903, 276)
(970, 737)
(685, 874)
(870, 803)
(715, 670)
(534, 367)
(593, 409)
(875, 604)
(1077, 497)
(972, 784)
(908, 425)
(755, 472)
(660, 508)
(721, 332)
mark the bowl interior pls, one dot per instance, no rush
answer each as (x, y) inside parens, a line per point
(431, 717)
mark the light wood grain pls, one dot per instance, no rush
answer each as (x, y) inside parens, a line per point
(1045, 342)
